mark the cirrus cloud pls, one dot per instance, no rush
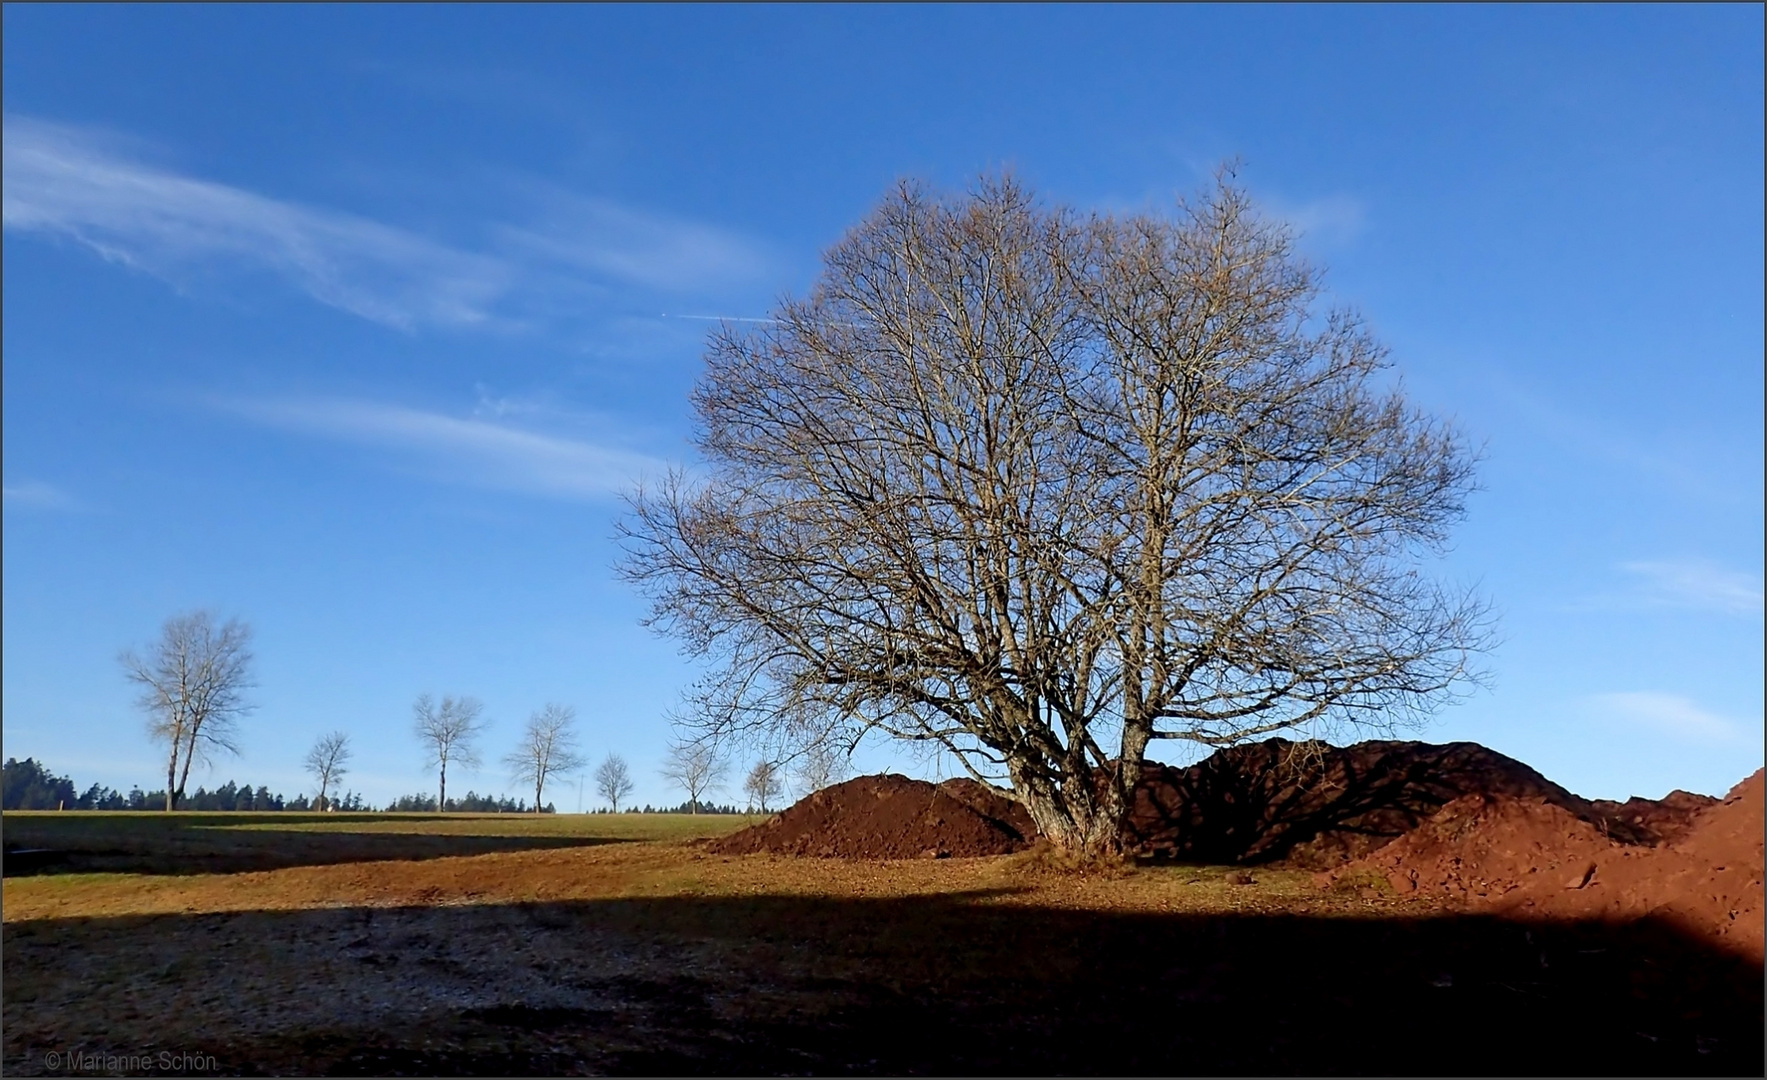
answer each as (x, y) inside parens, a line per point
(75, 183)
(478, 452)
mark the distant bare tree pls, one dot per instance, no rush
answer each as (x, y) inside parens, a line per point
(696, 768)
(820, 765)
(193, 683)
(447, 732)
(548, 745)
(1037, 488)
(762, 784)
(326, 762)
(613, 780)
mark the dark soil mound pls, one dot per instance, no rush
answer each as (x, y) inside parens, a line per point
(1530, 856)
(1317, 806)
(891, 817)
(1655, 821)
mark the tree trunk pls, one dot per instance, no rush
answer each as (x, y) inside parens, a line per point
(171, 776)
(189, 757)
(442, 793)
(1073, 819)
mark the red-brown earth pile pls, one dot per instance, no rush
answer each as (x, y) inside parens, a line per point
(1317, 806)
(891, 817)
(1528, 856)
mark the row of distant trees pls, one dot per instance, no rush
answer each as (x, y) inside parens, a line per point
(30, 785)
(193, 686)
(193, 682)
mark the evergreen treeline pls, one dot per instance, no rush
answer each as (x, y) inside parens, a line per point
(470, 803)
(684, 808)
(30, 786)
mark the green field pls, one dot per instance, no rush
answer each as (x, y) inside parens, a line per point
(185, 842)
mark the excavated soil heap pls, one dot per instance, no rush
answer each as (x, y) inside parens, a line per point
(1317, 806)
(1529, 856)
(891, 817)
(1656, 821)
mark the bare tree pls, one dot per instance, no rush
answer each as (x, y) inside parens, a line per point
(548, 745)
(447, 732)
(820, 765)
(1036, 489)
(193, 682)
(696, 767)
(326, 761)
(762, 784)
(613, 780)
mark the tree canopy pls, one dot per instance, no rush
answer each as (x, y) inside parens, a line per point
(1040, 488)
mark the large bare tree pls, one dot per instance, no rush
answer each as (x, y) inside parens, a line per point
(193, 682)
(448, 732)
(696, 767)
(548, 745)
(1038, 488)
(327, 761)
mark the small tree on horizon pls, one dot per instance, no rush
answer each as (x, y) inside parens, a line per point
(613, 780)
(447, 732)
(326, 762)
(548, 746)
(696, 768)
(819, 766)
(762, 783)
(193, 682)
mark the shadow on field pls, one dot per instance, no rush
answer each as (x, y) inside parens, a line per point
(195, 843)
(953, 985)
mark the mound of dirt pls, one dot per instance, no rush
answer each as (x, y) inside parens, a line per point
(1317, 806)
(1654, 821)
(1532, 857)
(891, 817)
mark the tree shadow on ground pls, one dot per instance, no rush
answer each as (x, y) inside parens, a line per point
(216, 844)
(954, 984)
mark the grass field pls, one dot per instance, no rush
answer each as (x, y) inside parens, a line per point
(154, 842)
(509, 944)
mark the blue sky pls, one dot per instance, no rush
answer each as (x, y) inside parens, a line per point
(354, 322)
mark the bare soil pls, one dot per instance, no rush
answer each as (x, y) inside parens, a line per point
(578, 947)
(891, 817)
(1531, 856)
(1317, 806)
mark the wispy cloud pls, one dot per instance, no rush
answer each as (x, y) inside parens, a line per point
(1670, 714)
(38, 494)
(1697, 584)
(75, 183)
(1686, 473)
(653, 250)
(1331, 219)
(479, 452)
(65, 181)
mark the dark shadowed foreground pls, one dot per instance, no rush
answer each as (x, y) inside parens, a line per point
(1031, 978)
